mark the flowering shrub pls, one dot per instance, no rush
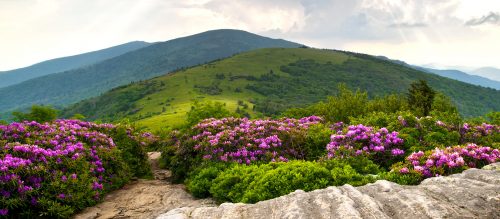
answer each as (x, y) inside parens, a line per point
(447, 161)
(426, 133)
(54, 169)
(357, 140)
(247, 141)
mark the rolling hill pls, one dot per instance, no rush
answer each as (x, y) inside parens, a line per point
(66, 63)
(71, 86)
(267, 81)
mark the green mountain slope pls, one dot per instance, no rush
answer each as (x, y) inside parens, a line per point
(74, 85)
(66, 63)
(269, 81)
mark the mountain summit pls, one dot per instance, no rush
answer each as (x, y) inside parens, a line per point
(151, 61)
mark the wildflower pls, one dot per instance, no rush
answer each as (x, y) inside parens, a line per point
(404, 170)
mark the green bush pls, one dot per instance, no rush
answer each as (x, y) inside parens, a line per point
(254, 183)
(232, 184)
(348, 175)
(286, 178)
(406, 179)
(200, 179)
(360, 164)
(132, 151)
(316, 139)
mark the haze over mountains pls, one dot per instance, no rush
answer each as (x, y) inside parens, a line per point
(73, 85)
(66, 63)
(489, 72)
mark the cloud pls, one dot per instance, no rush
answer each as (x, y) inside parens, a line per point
(36, 30)
(491, 18)
(407, 25)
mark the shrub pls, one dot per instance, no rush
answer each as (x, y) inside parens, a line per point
(411, 178)
(253, 183)
(133, 149)
(447, 161)
(200, 111)
(381, 146)
(37, 113)
(360, 164)
(200, 179)
(247, 141)
(286, 178)
(55, 169)
(232, 184)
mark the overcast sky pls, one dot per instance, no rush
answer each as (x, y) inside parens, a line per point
(441, 32)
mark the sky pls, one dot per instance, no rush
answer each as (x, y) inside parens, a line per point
(438, 33)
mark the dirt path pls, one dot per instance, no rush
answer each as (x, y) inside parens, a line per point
(144, 198)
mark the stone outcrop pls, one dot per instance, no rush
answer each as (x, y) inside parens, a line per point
(475, 193)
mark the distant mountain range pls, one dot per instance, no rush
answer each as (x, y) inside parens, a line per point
(456, 74)
(144, 63)
(467, 78)
(488, 72)
(66, 63)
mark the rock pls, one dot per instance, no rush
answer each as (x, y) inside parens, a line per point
(475, 193)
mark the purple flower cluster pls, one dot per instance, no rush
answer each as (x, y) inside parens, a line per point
(445, 161)
(245, 141)
(33, 155)
(360, 139)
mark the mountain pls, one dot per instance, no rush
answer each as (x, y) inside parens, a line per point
(453, 74)
(488, 72)
(160, 58)
(464, 77)
(268, 81)
(66, 63)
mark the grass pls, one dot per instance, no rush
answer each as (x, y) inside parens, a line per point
(180, 85)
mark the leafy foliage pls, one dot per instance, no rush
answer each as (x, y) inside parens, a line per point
(421, 97)
(38, 113)
(255, 183)
(200, 111)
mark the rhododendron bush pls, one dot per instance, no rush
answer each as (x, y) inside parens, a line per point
(449, 160)
(247, 141)
(54, 169)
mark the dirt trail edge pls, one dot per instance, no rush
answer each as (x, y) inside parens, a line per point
(144, 198)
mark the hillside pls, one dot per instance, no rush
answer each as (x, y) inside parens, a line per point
(74, 85)
(66, 63)
(269, 81)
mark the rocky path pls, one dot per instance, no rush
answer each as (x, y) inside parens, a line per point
(144, 198)
(475, 193)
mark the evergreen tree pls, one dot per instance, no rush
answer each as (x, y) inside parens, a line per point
(421, 97)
